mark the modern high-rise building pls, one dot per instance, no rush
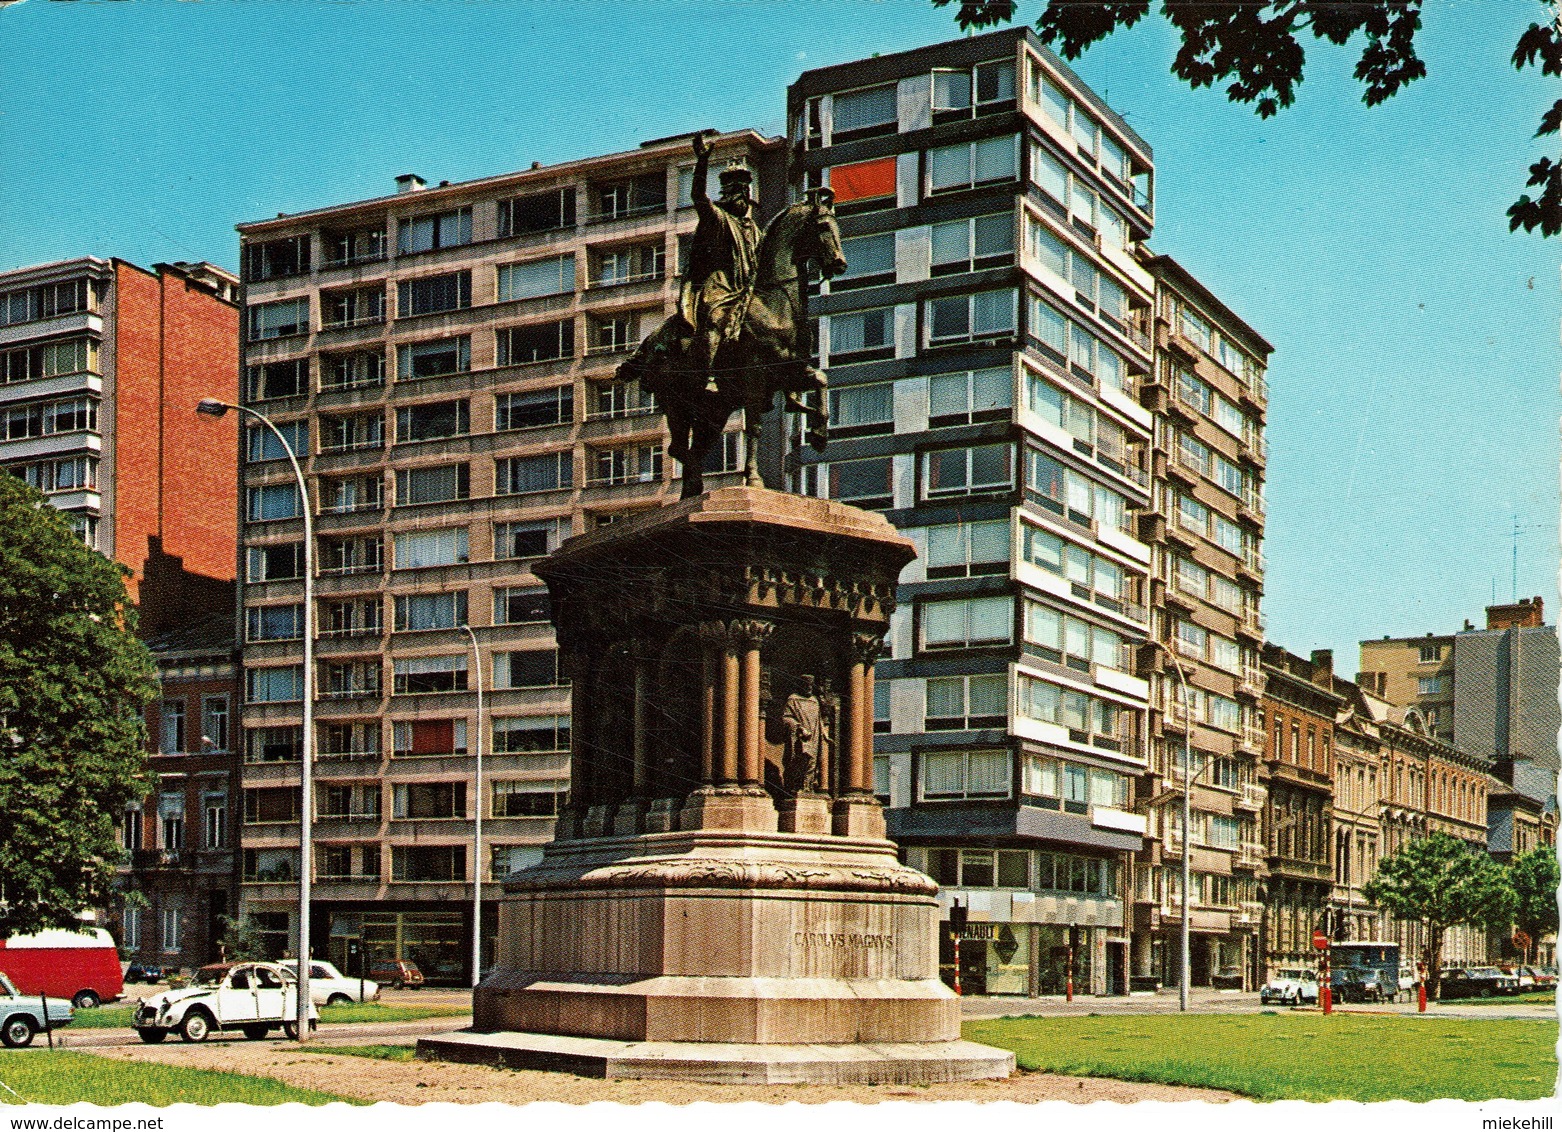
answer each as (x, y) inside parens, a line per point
(101, 363)
(991, 351)
(442, 359)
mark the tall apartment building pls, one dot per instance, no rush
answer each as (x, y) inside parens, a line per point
(101, 364)
(1414, 672)
(443, 359)
(988, 349)
(1209, 397)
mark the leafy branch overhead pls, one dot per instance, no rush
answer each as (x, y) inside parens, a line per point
(1256, 49)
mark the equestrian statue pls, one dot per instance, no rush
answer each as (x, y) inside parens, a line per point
(740, 334)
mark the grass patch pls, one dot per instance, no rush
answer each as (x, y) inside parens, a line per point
(1305, 1057)
(380, 1012)
(1539, 998)
(378, 1053)
(101, 1018)
(66, 1077)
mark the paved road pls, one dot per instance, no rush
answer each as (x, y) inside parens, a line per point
(339, 1033)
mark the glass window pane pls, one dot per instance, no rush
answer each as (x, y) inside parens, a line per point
(991, 389)
(949, 166)
(994, 159)
(994, 234)
(946, 697)
(951, 242)
(1045, 625)
(993, 312)
(947, 394)
(1048, 172)
(1054, 102)
(951, 90)
(943, 622)
(989, 773)
(989, 541)
(945, 546)
(990, 618)
(988, 695)
(1013, 868)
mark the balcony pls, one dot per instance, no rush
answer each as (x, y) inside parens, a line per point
(1251, 740)
(1248, 913)
(1250, 797)
(1251, 682)
(1249, 856)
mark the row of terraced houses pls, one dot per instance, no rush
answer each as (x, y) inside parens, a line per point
(1069, 425)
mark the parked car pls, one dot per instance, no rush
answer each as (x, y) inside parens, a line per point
(1476, 982)
(144, 973)
(1361, 984)
(1545, 977)
(398, 973)
(329, 987)
(22, 1016)
(1291, 986)
(254, 998)
(1526, 980)
(1227, 978)
(81, 966)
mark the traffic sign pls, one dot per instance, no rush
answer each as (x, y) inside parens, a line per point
(1321, 940)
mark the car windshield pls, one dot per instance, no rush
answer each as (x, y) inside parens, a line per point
(209, 977)
(1288, 974)
(1486, 972)
(7, 985)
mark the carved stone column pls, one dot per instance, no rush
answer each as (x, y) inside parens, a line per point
(857, 813)
(731, 711)
(631, 811)
(750, 636)
(713, 639)
(576, 664)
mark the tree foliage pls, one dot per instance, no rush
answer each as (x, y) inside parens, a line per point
(74, 681)
(1534, 876)
(1258, 50)
(241, 940)
(1440, 882)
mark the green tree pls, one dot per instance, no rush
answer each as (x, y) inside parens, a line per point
(1440, 882)
(241, 940)
(1257, 48)
(74, 681)
(1534, 876)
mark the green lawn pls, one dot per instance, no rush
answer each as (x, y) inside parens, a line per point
(102, 1018)
(378, 1053)
(66, 1077)
(106, 1017)
(1289, 1056)
(1543, 997)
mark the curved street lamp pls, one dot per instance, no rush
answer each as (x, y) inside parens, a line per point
(477, 826)
(1188, 777)
(212, 407)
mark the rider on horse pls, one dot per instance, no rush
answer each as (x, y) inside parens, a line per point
(722, 256)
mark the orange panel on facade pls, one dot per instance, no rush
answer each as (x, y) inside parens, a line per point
(863, 180)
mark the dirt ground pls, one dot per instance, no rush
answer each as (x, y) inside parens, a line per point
(421, 1082)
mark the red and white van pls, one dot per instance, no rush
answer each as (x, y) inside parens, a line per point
(81, 966)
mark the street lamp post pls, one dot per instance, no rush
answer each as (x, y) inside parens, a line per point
(211, 407)
(477, 825)
(1186, 972)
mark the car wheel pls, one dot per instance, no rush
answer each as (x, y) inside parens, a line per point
(18, 1032)
(196, 1027)
(256, 1031)
(338, 999)
(151, 1035)
(290, 1031)
(86, 1000)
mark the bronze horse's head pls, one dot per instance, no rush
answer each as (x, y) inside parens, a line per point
(825, 246)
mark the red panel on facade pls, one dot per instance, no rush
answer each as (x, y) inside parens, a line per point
(863, 180)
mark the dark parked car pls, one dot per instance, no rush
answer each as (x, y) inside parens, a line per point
(1360, 984)
(1476, 982)
(144, 973)
(398, 973)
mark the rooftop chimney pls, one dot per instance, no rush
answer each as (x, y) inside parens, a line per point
(1526, 613)
(409, 183)
(1323, 666)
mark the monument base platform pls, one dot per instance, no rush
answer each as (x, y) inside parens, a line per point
(887, 1063)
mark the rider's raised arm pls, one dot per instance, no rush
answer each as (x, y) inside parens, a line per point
(697, 191)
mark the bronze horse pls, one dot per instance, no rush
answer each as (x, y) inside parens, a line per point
(768, 355)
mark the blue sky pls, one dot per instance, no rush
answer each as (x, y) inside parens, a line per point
(1414, 389)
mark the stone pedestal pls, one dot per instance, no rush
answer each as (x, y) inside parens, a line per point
(761, 929)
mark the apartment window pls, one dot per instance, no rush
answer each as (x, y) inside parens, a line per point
(866, 483)
(525, 800)
(352, 493)
(428, 800)
(273, 501)
(953, 775)
(641, 464)
(613, 333)
(529, 539)
(1430, 654)
(1093, 432)
(49, 418)
(531, 668)
(1088, 574)
(214, 723)
(358, 306)
(1071, 200)
(954, 167)
(278, 320)
(530, 734)
(435, 420)
(350, 800)
(421, 674)
(544, 342)
(1066, 343)
(74, 473)
(535, 408)
(214, 821)
(865, 113)
(134, 830)
(274, 622)
(964, 703)
(444, 547)
(960, 550)
(612, 399)
(881, 709)
(440, 483)
(416, 737)
(351, 678)
(632, 196)
(969, 396)
(47, 301)
(970, 318)
(1088, 718)
(434, 294)
(862, 410)
(1093, 289)
(870, 262)
(274, 685)
(537, 212)
(616, 266)
(352, 370)
(52, 359)
(726, 455)
(863, 186)
(518, 475)
(171, 932)
(273, 744)
(973, 244)
(536, 278)
(171, 737)
(347, 618)
(352, 431)
(428, 862)
(434, 359)
(1071, 495)
(967, 622)
(862, 335)
(1064, 639)
(518, 605)
(416, 612)
(261, 444)
(439, 230)
(1432, 686)
(352, 741)
(966, 471)
(355, 245)
(1071, 787)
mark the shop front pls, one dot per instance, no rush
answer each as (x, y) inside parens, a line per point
(435, 937)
